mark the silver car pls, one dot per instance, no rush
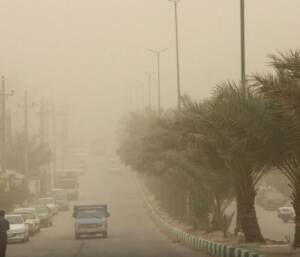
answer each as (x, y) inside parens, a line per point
(28, 218)
(35, 219)
(19, 230)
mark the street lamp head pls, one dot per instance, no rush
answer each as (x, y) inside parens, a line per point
(175, 1)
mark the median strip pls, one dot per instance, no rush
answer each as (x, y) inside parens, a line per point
(194, 242)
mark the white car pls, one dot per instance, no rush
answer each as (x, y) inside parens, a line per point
(33, 217)
(28, 218)
(50, 203)
(286, 214)
(19, 230)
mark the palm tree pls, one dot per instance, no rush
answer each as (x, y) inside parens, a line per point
(232, 126)
(282, 94)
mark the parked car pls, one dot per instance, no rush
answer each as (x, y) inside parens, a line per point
(61, 198)
(29, 219)
(45, 215)
(19, 230)
(33, 215)
(90, 220)
(287, 214)
(50, 203)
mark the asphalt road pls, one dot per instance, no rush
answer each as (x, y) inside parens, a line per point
(131, 231)
(272, 227)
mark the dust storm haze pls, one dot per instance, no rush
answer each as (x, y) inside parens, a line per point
(92, 54)
(199, 165)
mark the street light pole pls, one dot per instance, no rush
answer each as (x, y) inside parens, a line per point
(157, 54)
(3, 127)
(243, 55)
(177, 54)
(3, 96)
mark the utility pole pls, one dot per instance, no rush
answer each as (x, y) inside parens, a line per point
(44, 136)
(243, 55)
(26, 135)
(3, 96)
(41, 112)
(42, 122)
(26, 108)
(64, 134)
(157, 54)
(177, 53)
(54, 142)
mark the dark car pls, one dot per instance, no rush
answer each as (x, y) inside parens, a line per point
(45, 215)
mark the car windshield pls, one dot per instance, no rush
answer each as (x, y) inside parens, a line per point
(91, 214)
(15, 220)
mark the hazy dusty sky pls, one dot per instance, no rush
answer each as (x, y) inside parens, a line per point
(92, 53)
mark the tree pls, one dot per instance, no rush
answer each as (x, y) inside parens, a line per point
(281, 91)
(38, 155)
(232, 127)
(152, 145)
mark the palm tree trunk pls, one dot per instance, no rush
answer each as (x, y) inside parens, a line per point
(248, 218)
(296, 204)
(238, 216)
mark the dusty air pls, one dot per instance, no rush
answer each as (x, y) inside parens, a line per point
(149, 128)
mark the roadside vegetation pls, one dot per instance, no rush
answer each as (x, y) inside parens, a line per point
(39, 156)
(210, 153)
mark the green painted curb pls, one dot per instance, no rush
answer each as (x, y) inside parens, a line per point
(196, 242)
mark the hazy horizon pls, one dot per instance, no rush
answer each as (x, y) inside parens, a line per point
(92, 54)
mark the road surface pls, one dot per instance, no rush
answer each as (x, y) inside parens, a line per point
(131, 231)
(272, 227)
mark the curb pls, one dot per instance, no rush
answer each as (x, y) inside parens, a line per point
(196, 242)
